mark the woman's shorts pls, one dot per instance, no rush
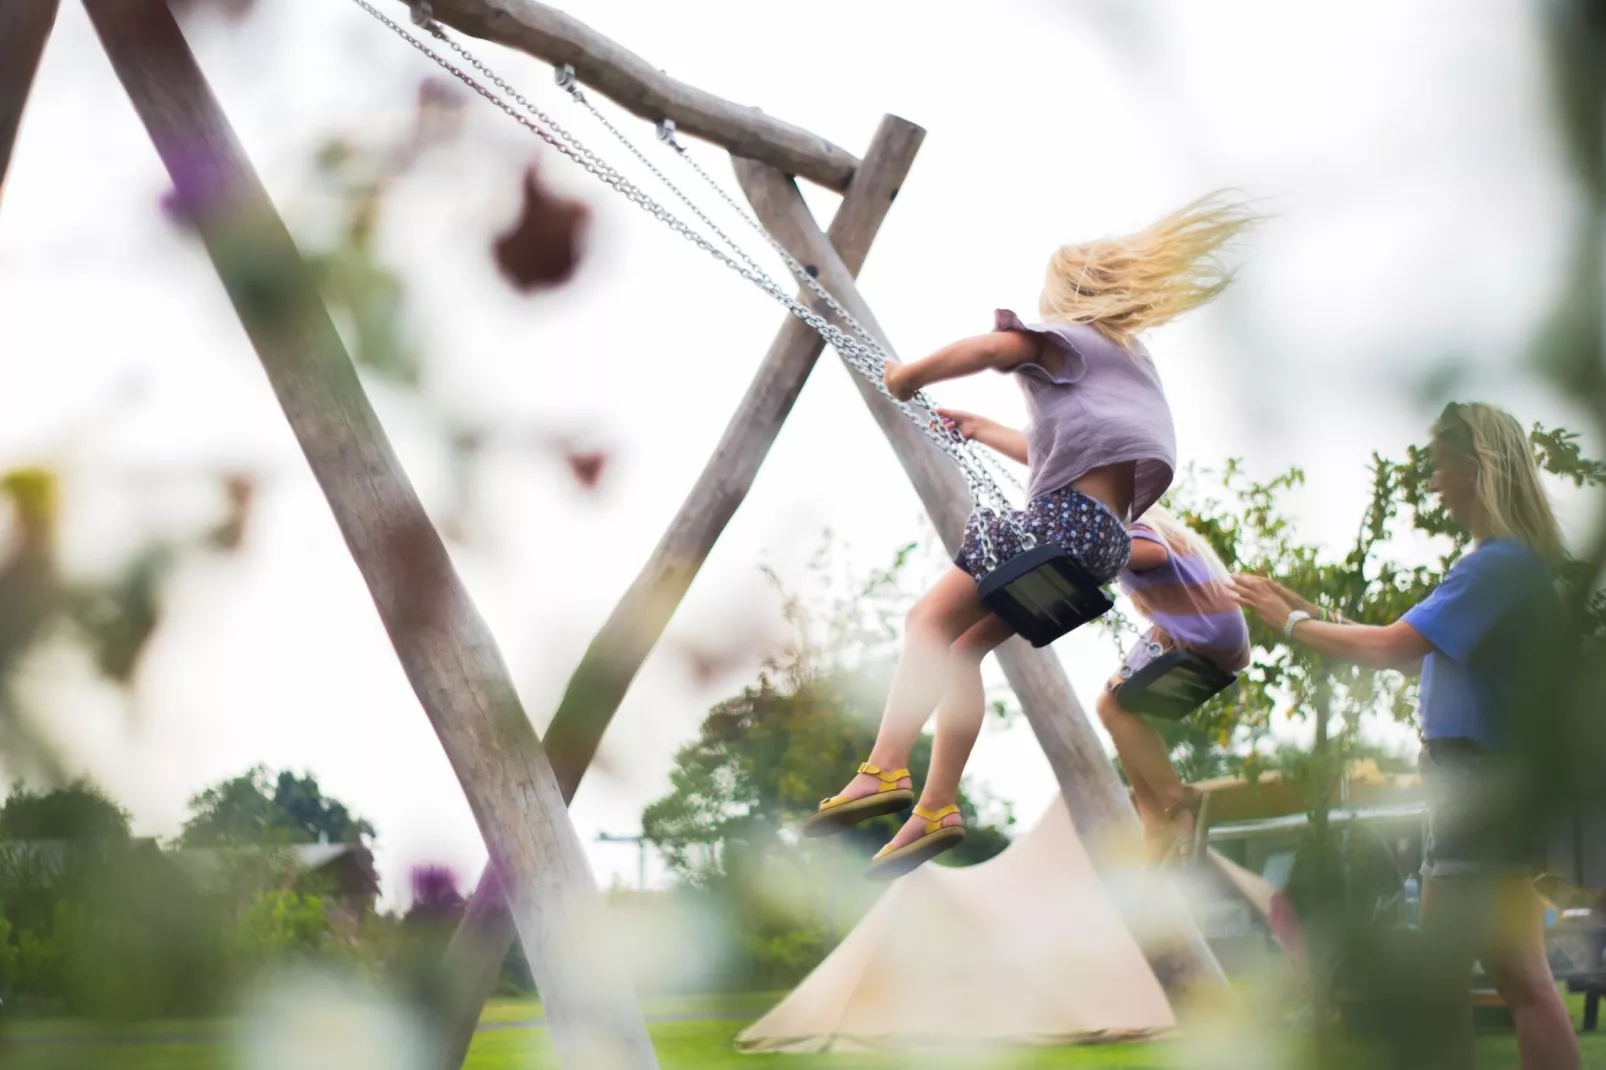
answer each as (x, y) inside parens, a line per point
(1477, 821)
(1083, 526)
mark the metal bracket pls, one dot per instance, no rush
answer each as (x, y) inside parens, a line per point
(565, 77)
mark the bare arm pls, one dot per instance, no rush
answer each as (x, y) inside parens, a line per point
(1389, 646)
(1146, 555)
(1000, 350)
(989, 432)
(1006, 440)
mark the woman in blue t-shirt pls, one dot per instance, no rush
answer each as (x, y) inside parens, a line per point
(1485, 641)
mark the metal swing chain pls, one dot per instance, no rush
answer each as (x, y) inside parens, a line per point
(985, 467)
(666, 133)
(862, 357)
(871, 366)
(872, 369)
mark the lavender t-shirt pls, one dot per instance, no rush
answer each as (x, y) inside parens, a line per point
(1105, 407)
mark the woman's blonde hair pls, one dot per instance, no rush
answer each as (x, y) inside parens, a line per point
(1124, 286)
(1509, 491)
(1180, 538)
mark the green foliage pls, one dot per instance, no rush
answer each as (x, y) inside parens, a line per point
(262, 807)
(110, 619)
(275, 926)
(10, 972)
(112, 931)
(79, 811)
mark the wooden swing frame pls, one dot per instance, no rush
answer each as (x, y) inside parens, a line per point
(518, 785)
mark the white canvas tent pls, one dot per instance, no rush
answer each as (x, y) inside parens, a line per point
(1026, 948)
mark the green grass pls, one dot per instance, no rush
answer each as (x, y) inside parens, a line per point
(62, 1045)
(744, 1006)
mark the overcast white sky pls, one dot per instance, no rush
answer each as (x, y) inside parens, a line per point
(1420, 212)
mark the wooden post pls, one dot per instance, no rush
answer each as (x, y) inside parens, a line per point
(642, 88)
(440, 639)
(25, 26)
(598, 686)
(1092, 792)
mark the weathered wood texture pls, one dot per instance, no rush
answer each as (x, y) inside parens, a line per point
(611, 662)
(442, 643)
(1098, 806)
(639, 87)
(25, 26)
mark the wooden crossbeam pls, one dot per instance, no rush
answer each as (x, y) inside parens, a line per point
(441, 641)
(25, 26)
(474, 957)
(1098, 806)
(641, 88)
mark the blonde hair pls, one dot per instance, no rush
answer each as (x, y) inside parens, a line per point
(1180, 538)
(1509, 491)
(1124, 286)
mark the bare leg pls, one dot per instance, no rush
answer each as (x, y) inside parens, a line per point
(1143, 755)
(1520, 970)
(946, 612)
(1156, 788)
(1451, 913)
(960, 713)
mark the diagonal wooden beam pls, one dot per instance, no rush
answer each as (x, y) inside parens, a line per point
(441, 641)
(474, 957)
(637, 86)
(1099, 808)
(25, 26)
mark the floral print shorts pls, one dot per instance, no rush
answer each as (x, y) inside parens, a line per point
(1083, 526)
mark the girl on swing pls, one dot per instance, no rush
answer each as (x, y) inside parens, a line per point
(1100, 451)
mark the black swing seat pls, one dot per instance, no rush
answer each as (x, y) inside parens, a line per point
(1043, 593)
(1173, 685)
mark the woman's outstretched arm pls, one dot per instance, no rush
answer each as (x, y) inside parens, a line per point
(1388, 646)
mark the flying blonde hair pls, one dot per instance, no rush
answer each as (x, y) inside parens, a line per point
(1124, 286)
(1180, 538)
(1509, 491)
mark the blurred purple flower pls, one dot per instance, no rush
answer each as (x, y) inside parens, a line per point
(435, 888)
(542, 249)
(199, 189)
(587, 466)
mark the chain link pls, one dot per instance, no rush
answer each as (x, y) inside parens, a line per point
(863, 353)
(981, 462)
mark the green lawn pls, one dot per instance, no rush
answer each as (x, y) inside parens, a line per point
(688, 1044)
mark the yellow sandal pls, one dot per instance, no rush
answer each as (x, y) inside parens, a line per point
(837, 814)
(892, 862)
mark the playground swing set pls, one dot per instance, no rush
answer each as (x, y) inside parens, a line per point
(517, 784)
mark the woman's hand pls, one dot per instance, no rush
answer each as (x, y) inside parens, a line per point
(1264, 598)
(968, 424)
(896, 379)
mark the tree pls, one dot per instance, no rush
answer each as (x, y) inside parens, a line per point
(79, 811)
(262, 807)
